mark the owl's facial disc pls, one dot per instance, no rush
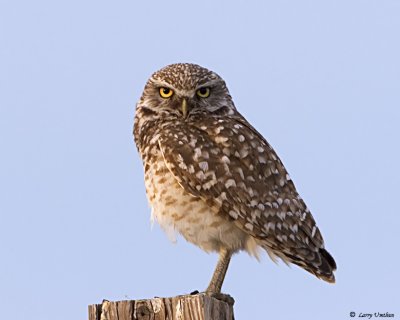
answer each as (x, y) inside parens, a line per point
(181, 101)
(185, 90)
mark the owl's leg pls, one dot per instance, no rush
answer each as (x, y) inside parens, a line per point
(220, 271)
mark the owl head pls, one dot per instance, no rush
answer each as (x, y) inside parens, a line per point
(183, 90)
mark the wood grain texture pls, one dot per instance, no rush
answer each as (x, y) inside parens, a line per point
(193, 307)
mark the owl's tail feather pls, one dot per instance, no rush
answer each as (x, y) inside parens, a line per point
(320, 263)
(328, 266)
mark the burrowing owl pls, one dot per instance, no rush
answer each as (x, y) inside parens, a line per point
(213, 178)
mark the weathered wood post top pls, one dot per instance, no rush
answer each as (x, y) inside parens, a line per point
(194, 307)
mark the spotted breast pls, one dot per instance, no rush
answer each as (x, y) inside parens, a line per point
(179, 211)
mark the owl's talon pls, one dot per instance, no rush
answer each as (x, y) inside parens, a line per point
(222, 297)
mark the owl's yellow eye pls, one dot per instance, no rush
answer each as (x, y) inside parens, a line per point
(166, 92)
(203, 92)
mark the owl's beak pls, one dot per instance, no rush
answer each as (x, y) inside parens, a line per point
(184, 108)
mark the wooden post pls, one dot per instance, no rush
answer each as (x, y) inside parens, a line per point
(194, 307)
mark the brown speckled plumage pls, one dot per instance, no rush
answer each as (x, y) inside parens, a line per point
(213, 178)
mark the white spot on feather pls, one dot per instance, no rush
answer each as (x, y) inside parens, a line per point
(203, 165)
(249, 226)
(200, 175)
(243, 153)
(233, 214)
(262, 159)
(225, 159)
(192, 142)
(281, 215)
(218, 129)
(240, 171)
(229, 183)
(220, 139)
(197, 154)
(209, 184)
(294, 228)
(253, 203)
(205, 154)
(313, 231)
(269, 226)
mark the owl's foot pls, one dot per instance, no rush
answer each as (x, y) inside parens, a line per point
(217, 295)
(222, 297)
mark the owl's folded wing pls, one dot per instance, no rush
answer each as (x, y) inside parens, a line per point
(231, 167)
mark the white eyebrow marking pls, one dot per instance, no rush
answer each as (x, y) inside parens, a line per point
(181, 93)
(184, 93)
(208, 84)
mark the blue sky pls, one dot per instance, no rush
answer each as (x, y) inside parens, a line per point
(319, 79)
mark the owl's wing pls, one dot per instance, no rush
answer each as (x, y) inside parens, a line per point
(228, 164)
